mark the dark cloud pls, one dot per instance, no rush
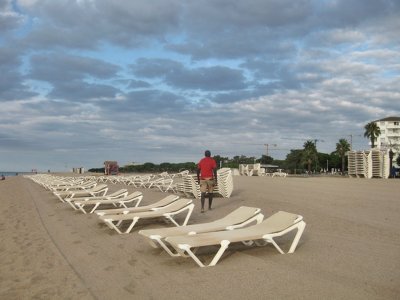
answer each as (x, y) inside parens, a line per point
(74, 77)
(173, 73)
(55, 67)
(126, 24)
(11, 80)
(9, 19)
(138, 84)
(151, 102)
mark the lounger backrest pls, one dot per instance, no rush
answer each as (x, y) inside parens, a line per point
(172, 207)
(132, 196)
(176, 205)
(119, 192)
(98, 187)
(239, 215)
(275, 223)
(164, 201)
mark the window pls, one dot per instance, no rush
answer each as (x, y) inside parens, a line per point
(396, 123)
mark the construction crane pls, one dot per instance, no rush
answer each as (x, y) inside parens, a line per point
(315, 140)
(267, 145)
(351, 140)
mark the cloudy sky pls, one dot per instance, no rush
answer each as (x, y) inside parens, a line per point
(84, 81)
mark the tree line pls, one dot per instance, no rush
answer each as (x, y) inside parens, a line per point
(297, 161)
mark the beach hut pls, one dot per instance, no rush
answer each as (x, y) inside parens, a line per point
(111, 167)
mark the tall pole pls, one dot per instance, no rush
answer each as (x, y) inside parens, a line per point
(266, 145)
(351, 142)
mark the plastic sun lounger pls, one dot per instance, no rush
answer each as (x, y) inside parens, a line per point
(118, 194)
(98, 190)
(134, 197)
(240, 217)
(275, 226)
(168, 212)
(154, 206)
(74, 186)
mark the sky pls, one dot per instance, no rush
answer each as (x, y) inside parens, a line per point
(85, 81)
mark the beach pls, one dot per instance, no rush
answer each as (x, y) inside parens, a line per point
(350, 248)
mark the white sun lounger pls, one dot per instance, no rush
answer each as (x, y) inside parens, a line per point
(167, 212)
(98, 190)
(277, 225)
(154, 206)
(240, 217)
(76, 186)
(118, 194)
(122, 202)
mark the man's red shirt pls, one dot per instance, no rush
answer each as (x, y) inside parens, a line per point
(206, 166)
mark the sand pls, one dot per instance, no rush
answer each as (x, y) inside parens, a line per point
(349, 250)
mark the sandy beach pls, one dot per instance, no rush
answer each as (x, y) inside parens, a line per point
(350, 248)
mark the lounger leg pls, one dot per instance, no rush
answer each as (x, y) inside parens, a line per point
(80, 206)
(214, 261)
(300, 230)
(169, 216)
(59, 197)
(162, 245)
(134, 221)
(95, 207)
(190, 210)
(70, 203)
(224, 246)
(276, 246)
(112, 226)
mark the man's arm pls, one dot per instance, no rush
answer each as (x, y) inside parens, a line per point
(215, 174)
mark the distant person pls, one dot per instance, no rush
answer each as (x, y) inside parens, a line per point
(2, 177)
(207, 177)
(393, 172)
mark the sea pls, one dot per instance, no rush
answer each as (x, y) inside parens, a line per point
(9, 174)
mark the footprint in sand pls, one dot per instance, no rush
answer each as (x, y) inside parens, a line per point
(132, 261)
(109, 268)
(130, 288)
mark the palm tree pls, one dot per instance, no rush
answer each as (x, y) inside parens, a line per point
(309, 153)
(372, 131)
(342, 147)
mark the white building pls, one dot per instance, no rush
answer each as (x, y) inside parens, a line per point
(390, 135)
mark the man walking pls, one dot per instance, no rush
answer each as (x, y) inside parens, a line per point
(207, 177)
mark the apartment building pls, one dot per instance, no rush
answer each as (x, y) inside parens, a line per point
(390, 135)
(375, 163)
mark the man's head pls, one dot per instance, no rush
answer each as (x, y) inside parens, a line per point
(207, 153)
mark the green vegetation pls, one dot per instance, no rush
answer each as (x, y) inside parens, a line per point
(342, 147)
(309, 154)
(372, 131)
(298, 161)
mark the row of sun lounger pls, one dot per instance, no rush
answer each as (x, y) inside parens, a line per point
(182, 182)
(244, 225)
